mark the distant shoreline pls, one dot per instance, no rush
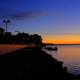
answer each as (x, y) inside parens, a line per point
(31, 44)
(59, 44)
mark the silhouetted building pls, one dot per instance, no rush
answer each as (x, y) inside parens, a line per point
(1, 31)
(20, 38)
(8, 33)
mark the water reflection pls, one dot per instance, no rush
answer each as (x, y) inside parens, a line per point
(9, 48)
(70, 55)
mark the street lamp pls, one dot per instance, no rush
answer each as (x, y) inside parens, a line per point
(6, 23)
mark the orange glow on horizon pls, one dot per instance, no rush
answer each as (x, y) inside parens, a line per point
(62, 39)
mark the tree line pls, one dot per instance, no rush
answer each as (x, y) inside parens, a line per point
(19, 38)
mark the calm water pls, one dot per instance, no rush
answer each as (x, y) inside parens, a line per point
(70, 55)
(9, 48)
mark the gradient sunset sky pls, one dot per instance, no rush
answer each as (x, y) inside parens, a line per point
(57, 21)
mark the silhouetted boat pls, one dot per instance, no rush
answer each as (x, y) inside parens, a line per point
(51, 49)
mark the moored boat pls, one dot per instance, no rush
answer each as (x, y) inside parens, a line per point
(51, 49)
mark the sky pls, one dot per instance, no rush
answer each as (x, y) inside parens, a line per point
(57, 21)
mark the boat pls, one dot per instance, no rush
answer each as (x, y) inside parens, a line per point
(51, 49)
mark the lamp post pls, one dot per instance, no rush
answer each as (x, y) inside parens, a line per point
(6, 23)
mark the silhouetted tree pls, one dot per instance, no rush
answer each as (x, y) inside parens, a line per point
(22, 37)
(1, 31)
(36, 39)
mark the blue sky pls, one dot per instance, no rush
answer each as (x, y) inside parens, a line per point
(41, 16)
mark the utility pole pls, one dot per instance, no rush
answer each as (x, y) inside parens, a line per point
(6, 23)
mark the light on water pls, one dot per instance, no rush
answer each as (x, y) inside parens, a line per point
(9, 48)
(70, 55)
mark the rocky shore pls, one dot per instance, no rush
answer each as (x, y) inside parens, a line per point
(30, 64)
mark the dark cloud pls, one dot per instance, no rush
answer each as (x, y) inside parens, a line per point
(26, 15)
(15, 15)
(34, 14)
(10, 1)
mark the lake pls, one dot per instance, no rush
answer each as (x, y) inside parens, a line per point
(9, 48)
(70, 55)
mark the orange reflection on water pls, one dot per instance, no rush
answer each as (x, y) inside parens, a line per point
(8, 48)
(70, 55)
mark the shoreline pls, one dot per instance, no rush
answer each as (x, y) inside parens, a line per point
(33, 61)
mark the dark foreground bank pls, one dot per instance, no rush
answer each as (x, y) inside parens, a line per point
(31, 64)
